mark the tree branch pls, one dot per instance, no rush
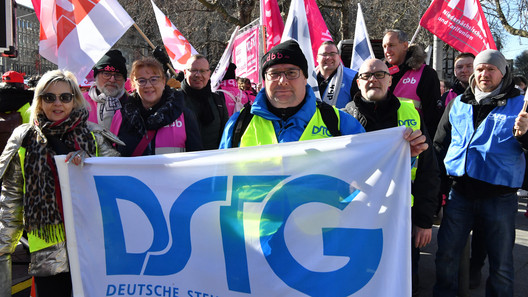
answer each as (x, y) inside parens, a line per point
(506, 25)
(215, 6)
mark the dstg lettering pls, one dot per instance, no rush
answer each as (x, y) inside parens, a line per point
(363, 258)
(322, 130)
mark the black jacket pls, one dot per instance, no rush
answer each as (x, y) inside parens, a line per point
(384, 114)
(210, 110)
(466, 185)
(428, 88)
(137, 120)
(12, 99)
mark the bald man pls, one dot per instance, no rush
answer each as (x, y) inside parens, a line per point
(375, 107)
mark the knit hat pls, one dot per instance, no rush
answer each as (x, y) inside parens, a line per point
(13, 77)
(493, 57)
(287, 52)
(112, 61)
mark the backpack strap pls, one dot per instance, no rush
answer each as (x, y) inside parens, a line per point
(241, 124)
(329, 118)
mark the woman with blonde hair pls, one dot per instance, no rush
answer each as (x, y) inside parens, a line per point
(30, 198)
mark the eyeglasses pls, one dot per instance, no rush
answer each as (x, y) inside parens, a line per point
(198, 71)
(50, 97)
(290, 74)
(377, 75)
(154, 80)
(108, 75)
(327, 55)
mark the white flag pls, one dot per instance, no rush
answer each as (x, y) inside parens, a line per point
(297, 28)
(306, 218)
(177, 46)
(76, 34)
(224, 62)
(362, 50)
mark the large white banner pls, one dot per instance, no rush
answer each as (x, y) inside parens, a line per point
(314, 218)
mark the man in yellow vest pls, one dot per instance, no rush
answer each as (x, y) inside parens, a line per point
(376, 107)
(286, 108)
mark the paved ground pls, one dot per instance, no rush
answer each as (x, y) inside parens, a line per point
(520, 254)
(427, 266)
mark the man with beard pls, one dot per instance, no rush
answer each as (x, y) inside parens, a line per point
(108, 93)
(210, 108)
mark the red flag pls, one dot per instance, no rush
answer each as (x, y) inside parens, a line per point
(459, 23)
(75, 34)
(271, 18)
(177, 46)
(318, 30)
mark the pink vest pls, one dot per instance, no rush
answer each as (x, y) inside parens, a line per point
(169, 139)
(450, 96)
(407, 86)
(233, 95)
(92, 117)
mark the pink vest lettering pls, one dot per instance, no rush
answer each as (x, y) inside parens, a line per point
(171, 138)
(407, 86)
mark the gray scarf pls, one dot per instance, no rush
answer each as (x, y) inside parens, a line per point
(106, 106)
(332, 90)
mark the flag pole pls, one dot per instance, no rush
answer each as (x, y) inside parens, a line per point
(153, 47)
(415, 34)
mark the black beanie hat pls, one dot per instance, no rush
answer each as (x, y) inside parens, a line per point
(287, 52)
(112, 61)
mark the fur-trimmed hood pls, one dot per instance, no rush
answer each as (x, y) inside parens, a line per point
(415, 56)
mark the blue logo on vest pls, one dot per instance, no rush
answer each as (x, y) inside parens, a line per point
(363, 258)
(321, 130)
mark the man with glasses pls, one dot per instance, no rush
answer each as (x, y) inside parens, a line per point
(108, 93)
(412, 78)
(210, 108)
(286, 108)
(375, 107)
(335, 81)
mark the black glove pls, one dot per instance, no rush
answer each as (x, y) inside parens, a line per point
(161, 55)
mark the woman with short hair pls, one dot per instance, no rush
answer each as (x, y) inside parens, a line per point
(154, 120)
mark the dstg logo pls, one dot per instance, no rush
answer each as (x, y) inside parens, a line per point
(321, 130)
(363, 247)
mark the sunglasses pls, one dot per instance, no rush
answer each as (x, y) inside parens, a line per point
(50, 97)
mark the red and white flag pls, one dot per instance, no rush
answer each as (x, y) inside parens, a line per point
(271, 18)
(177, 46)
(75, 34)
(459, 23)
(318, 30)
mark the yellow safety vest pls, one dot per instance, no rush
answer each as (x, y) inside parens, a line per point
(35, 242)
(260, 131)
(408, 116)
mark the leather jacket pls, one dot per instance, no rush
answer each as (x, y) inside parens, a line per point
(51, 260)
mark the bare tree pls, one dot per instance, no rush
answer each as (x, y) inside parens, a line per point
(512, 15)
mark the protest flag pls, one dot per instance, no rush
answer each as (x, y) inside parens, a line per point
(75, 34)
(177, 46)
(318, 31)
(271, 18)
(362, 50)
(224, 62)
(459, 23)
(297, 28)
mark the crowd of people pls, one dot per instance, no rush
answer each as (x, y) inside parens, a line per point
(468, 144)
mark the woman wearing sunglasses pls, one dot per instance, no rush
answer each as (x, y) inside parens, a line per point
(154, 120)
(30, 198)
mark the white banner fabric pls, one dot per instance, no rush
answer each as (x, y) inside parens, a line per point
(313, 218)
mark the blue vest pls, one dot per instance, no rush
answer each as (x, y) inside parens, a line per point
(490, 153)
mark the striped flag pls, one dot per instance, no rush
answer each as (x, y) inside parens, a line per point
(75, 34)
(362, 50)
(271, 18)
(297, 28)
(177, 46)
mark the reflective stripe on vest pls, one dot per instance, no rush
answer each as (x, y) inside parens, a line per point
(406, 89)
(408, 116)
(260, 131)
(36, 243)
